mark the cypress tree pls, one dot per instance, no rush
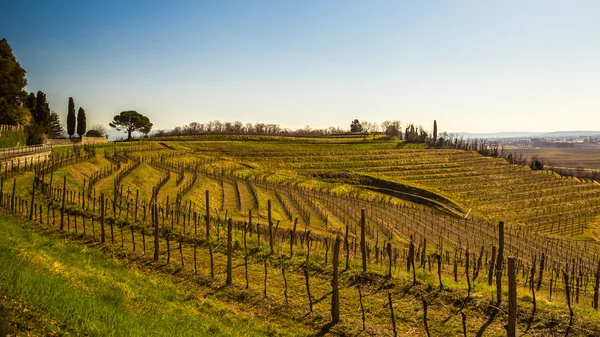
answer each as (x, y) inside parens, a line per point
(42, 110)
(81, 125)
(434, 130)
(31, 103)
(71, 118)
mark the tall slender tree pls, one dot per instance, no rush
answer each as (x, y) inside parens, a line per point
(42, 110)
(71, 118)
(31, 102)
(40, 113)
(434, 130)
(81, 126)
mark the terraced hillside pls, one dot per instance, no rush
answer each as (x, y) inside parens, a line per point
(491, 188)
(287, 204)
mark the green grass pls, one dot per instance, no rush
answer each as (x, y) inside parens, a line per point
(12, 138)
(85, 292)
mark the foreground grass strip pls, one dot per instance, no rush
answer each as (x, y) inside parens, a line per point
(90, 293)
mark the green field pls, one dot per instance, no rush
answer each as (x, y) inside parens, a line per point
(586, 157)
(449, 201)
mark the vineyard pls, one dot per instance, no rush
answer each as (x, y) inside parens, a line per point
(339, 236)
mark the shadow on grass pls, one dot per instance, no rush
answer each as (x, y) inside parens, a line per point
(322, 298)
(487, 323)
(325, 329)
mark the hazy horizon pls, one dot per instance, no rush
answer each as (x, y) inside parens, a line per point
(479, 67)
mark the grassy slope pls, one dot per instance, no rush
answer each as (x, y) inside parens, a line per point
(51, 286)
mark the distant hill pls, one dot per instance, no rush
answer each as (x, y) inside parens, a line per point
(527, 134)
(563, 134)
(517, 134)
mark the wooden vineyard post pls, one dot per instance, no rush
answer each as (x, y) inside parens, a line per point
(512, 298)
(477, 266)
(542, 266)
(270, 226)
(347, 248)
(439, 269)
(155, 223)
(32, 201)
(168, 247)
(423, 253)
(112, 225)
(499, 261)
(246, 254)
(467, 273)
(135, 216)
(596, 286)
(62, 209)
(212, 263)
(207, 215)
(83, 207)
(411, 254)
(408, 255)
(335, 293)
(132, 238)
(50, 184)
(181, 252)
(492, 266)
(102, 230)
(363, 241)
(229, 252)
(258, 236)
(266, 275)
(292, 238)
(13, 208)
(143, 241)
(389, 252)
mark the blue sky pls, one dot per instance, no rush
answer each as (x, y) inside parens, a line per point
(475, 66)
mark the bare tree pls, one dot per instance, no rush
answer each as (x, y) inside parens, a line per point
(96, 130)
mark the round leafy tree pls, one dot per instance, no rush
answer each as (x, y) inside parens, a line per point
(130, 121)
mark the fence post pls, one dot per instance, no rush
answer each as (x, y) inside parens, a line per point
(12, 198)
(102, 230)
(335, 294)
(363, 242)
(207, 215)
(155, 223)
(512, 298)
(32, 201)
(270, 226)
(62, 209)
(499, 261)
(229, 251)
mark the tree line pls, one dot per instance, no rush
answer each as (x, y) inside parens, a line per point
(392, 129)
